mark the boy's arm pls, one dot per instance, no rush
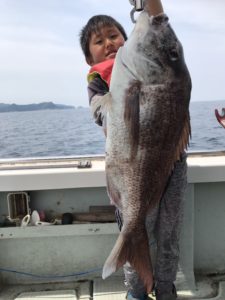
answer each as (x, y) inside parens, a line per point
(98, 113)
(153, 7)
(98, 90)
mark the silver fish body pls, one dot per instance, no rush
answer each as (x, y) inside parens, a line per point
(148, 127)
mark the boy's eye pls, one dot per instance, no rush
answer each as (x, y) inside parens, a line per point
(113, 36)
(98, 42)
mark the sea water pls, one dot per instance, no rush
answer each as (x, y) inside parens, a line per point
(72, 132)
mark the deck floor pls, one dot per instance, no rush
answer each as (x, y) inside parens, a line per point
(111, 289)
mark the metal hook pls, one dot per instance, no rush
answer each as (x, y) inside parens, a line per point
(132, 15)
(138, 6)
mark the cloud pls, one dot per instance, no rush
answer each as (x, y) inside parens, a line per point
(40, 54)
(205, 14)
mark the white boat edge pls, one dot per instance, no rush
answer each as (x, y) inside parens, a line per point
(203, 223)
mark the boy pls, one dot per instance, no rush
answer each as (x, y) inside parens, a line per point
(100, 40)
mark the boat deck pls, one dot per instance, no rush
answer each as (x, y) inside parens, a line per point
(52, 181)
(110, 289)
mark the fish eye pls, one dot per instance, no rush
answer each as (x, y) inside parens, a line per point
(173, 55)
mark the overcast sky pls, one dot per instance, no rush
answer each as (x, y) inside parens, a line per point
(41, 60)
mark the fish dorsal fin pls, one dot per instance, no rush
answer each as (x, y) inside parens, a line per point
(184, 138)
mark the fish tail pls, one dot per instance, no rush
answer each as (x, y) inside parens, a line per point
(132, 248)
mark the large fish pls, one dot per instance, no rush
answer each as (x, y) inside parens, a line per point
(148, 127)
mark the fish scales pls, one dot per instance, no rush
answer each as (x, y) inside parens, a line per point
(148, 127)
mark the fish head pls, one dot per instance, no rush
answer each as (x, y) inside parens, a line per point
(154, 46)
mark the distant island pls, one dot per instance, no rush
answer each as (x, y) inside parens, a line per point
(30, 107)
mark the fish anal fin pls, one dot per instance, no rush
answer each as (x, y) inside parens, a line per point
(135, 250)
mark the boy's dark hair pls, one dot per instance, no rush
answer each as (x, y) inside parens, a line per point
(93, 26)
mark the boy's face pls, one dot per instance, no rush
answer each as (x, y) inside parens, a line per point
(104, 44)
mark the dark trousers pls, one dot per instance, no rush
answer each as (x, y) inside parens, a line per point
(163, 225)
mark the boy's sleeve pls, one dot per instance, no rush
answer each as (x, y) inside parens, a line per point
(97, 88)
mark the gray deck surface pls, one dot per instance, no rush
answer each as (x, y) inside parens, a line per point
(110, 289)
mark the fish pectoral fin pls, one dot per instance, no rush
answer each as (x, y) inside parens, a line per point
(132, 114)
(184, 138)
(135, 250)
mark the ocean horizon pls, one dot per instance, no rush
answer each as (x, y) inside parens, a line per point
(72, 132)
